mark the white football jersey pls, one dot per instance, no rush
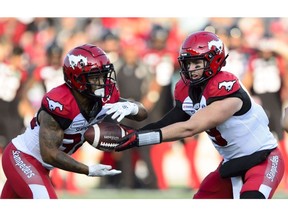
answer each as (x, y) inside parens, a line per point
(245, 132)
(61, 104)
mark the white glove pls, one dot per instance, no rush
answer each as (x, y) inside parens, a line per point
(121, 109)
(102, 170)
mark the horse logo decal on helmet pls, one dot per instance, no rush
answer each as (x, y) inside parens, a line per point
(217, 44)
(74, 60)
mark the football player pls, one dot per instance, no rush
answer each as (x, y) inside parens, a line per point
(211, 100)
(56, 131)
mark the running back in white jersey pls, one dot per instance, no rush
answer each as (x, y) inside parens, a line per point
(61, 104)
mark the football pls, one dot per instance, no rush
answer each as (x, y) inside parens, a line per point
(102, 136)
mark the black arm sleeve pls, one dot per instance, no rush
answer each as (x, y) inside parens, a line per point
(174, 115)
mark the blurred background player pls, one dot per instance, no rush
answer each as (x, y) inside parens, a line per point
(265, 80)
(133, 81)
(160, 58)
(13, 77)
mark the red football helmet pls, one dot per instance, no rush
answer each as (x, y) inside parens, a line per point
(89, 62)
(205, 46)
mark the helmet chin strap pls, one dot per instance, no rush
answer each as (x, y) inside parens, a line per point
(100, 92)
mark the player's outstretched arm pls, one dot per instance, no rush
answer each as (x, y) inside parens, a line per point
(205, 119)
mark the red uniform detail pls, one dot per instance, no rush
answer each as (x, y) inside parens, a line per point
(222, 84)
(215, 187)
(27, 171)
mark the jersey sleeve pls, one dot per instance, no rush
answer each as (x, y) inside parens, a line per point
(61, 105)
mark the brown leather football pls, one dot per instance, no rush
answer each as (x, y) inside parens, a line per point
(103, 135)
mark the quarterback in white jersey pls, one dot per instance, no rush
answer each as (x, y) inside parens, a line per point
(57, 129)
(208, 99)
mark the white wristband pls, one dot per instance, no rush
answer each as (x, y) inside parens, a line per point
(149, 138)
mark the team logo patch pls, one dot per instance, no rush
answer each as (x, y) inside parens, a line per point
(74, 60)
(228, 85)
(54, 104)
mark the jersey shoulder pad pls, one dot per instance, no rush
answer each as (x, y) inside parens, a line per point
(181, 91)
(60, 102)
(223, 83)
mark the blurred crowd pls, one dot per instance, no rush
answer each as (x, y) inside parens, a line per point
(144, 52)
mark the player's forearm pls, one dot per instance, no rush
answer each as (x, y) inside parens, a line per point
(178, 131)
(205, 119)
(141, 115)
(169, 133)
(63, 161)
(172, 132)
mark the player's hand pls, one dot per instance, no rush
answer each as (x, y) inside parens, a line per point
(102, 170)
(129, 141)
(121, 109)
